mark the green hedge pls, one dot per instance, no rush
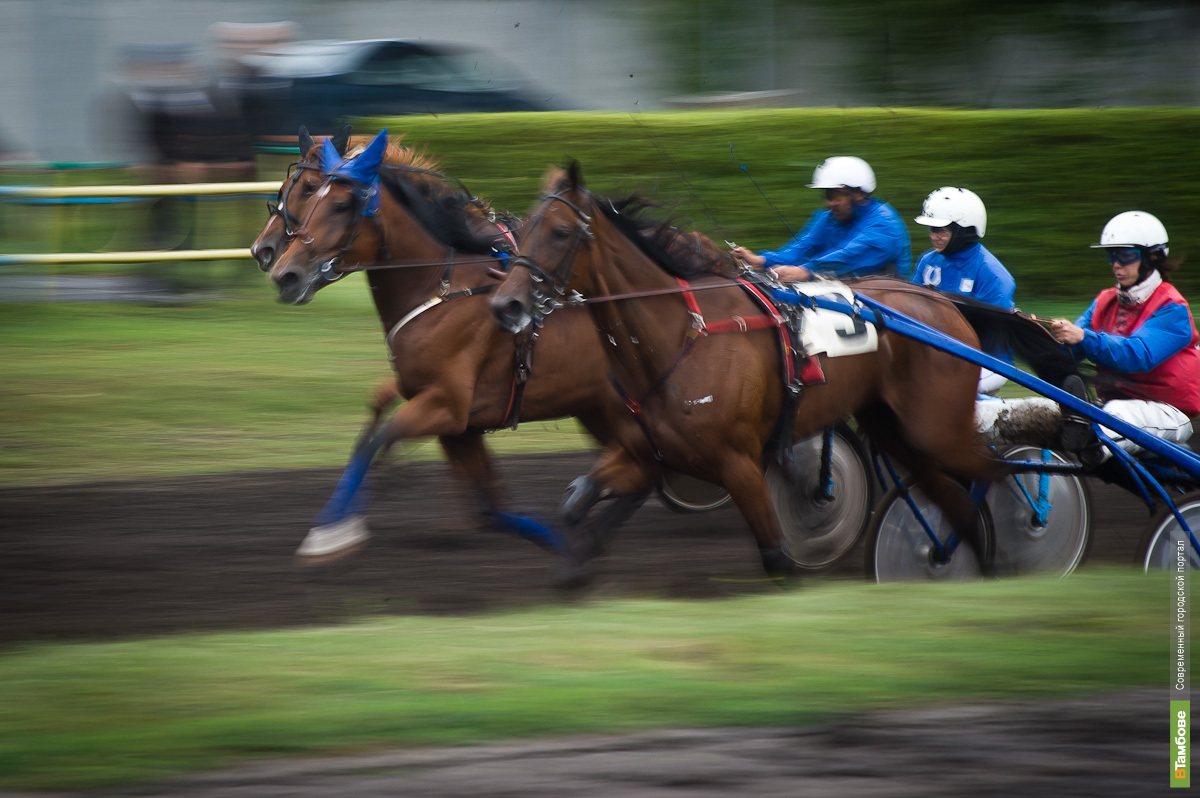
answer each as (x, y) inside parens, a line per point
(1050, 179)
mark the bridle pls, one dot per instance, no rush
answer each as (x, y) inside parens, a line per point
(278, 206)
(331, 270)
(545, 301)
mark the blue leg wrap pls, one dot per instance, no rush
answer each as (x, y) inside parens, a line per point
(346, 498)
(531, 530)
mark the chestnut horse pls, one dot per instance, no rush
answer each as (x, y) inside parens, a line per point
(426, 247)
(707, 404)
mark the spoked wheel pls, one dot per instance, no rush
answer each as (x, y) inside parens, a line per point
(688, 494)
(820, 529)
(1164, 539)
(898, 549)
(1056, 543)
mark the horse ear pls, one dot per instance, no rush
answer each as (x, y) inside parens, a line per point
(342, 139)
(364, 167)
(330, 158)
(306, 141)
(575, 174)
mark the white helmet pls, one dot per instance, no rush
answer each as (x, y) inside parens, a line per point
(957, 205)
(1134, 229)
(844, 171)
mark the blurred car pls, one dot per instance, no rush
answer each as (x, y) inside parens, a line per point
(319, 83)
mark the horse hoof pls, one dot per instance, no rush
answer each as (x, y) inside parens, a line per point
(778, 566)
(573, 569)
(331, 541)
(572, 576)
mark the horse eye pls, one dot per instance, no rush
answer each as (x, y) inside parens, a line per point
(561, 233)
(341, 207)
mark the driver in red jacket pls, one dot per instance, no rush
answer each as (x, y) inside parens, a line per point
(1140, 334)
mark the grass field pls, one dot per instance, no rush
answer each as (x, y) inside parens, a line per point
(78, 716)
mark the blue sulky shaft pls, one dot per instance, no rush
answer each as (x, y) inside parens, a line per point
(884, 317)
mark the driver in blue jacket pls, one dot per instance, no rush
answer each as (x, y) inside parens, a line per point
(855, 236)
(959, 263)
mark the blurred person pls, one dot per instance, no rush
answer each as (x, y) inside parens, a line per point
(234, 41)
(175, 118)
(855, 235)
(1141, 335)
(960, 264)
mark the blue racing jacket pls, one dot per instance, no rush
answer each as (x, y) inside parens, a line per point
(973, 272)
(872, 240)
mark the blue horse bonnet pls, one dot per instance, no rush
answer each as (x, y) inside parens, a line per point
(362, 169)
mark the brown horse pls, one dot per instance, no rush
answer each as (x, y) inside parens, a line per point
(426, 247)
(707, 404)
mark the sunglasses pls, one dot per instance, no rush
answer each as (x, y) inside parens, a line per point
(1124, 256)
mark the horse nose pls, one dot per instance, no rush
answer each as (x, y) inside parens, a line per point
(264, 255)
(511, 315)
(289, 285)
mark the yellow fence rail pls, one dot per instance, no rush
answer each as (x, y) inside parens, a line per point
(43, 193)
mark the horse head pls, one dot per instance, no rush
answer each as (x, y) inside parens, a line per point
(571, 233)
(552, 257)
(324, 232)
(301, 182)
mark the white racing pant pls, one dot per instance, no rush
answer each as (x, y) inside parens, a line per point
(1001, 420)
(990, 381)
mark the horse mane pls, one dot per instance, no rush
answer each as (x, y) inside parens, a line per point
(414, 178)
(681, 253)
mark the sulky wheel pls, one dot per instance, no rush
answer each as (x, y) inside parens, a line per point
(1056, 542)
(1164, 539)
(898, 548)
(688, 494)
(820, 528)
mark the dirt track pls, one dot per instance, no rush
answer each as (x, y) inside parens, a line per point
(210, 553)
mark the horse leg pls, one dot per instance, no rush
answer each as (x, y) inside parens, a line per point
(584, 492)
(383, 396)
(472, 464)
(617, 475)
(340, 527)
(743, 477)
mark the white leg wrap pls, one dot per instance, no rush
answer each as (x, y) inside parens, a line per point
(331, 539)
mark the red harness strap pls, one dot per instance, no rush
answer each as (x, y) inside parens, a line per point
(810, 371)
